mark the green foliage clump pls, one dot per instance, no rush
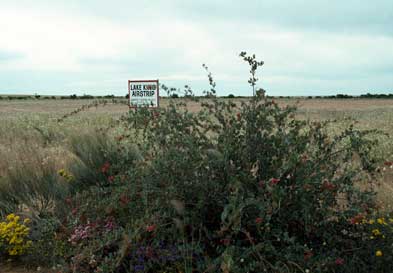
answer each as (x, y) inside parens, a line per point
(228, 188)
(231, 188)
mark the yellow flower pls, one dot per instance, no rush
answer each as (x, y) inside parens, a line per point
(378, 253)
(376, 232)
(381, 221)
(61, 172)
(10, 217)
(13, 235)
(13, 252)
(371, 221)
(69, 177)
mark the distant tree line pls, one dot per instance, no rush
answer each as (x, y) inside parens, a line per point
(365, 96)
(338, 96)
(368, 95)
(87, 97)
(72, 97)
(174, 95)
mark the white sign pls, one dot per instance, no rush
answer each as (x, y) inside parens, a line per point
(143, 93)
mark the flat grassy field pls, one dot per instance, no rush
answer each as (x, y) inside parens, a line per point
(31, 125)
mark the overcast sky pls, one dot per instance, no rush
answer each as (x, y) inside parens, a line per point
(309, 47)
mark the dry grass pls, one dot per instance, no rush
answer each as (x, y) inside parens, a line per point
(32, 123)
(56, 108)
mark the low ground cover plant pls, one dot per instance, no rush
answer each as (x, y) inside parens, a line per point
(232, 188)
(14, 236)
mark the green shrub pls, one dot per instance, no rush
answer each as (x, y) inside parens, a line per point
(259, 181)
(231, 188)
(51, 246)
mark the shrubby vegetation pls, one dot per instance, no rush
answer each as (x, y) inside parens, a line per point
(175, 93)
(230, 188)
(363, 96)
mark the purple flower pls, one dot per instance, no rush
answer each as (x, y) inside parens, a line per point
(109, 226)
(139, 268)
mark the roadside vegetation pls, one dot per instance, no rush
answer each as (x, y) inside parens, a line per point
(231, 186)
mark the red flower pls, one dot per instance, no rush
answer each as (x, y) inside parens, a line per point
(149, 252)
(111, 178)
(258, 220)
(328, 186)
(261, 183)
(357, 219)
(74, 211)
(304, 158)
(156, 114)
(388, 163)
(68, 200)
(238, 115)
(274, 181)
(226, 241)
(124, 200)
(150, 228)
(308, 255)
(339, 261)
(105, 167)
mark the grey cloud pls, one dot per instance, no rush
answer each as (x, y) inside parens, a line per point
(151, 61)
(334, 15)
(349, 16)
(314, 56)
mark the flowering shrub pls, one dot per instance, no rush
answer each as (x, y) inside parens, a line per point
(261, 185)
(14, 236)
(232, 188)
